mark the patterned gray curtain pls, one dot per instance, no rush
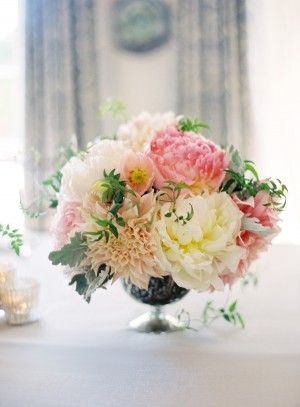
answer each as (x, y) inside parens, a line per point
(211, 65)
(61, 76)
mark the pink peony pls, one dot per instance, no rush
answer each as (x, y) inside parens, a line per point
(68, 218)
(138, 171)
(187, 157)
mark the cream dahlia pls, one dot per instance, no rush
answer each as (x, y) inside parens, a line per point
(134, 253)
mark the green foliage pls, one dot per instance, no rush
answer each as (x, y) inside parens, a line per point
(194, 125)
(249, 279)
(229, 314)
(53, 182)
(81, 283)
(111, 191)
(170, 194)
(34, 210)
(87, 283)
(115, 107)
(14, 236)
(72, 253)
(242, 178)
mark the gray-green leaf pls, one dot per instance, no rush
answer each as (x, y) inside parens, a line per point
(253, 225)
(72, 253)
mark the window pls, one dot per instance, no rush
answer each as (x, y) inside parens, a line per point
(11, 111)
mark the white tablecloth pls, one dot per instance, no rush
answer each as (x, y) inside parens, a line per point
(83, 355)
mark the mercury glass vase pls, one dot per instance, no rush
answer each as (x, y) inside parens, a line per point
(160, 292)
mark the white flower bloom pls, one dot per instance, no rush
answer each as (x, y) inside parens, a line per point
(138, 132)
(200, 250)
(80, 175)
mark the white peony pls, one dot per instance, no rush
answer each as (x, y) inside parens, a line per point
(138, 132)
(200, 250)
(79, 175)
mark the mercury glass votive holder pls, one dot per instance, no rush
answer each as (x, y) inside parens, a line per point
(20, 300)
(7, 275)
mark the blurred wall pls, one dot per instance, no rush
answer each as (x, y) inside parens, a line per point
(142, 80)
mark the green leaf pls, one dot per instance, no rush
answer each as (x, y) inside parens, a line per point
(115, 208)
(114, 230)
(120, 221)
(249, 167)
(226, 317)
(102, 222)
(98, 282)
(227, 185)
(232, 306)
(16, 238)
(241, 320)
(195, 125)
(81, 283)
(253, 225)
(115, 107)
(72, 253)
(119, 197)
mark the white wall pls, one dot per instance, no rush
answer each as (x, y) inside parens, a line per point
(274, 57)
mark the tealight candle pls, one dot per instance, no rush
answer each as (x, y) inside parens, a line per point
(20, 300)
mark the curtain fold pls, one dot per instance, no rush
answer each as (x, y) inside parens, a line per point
(212, 78)
(62, 81)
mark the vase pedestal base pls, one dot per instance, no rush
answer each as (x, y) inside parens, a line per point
(156, 321)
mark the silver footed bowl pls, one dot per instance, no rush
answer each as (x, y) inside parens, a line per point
(160, 292)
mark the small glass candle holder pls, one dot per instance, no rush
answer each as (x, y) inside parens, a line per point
(20, 300)
(7, 275)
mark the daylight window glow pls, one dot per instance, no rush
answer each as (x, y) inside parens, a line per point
(8, 17)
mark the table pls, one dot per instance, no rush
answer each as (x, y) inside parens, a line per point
(83, 355)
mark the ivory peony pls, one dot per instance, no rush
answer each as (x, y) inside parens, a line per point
(199, 251)
(79, 175)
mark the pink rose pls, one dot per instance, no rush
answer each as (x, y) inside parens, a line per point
(256, 207)
(187, 157)
(253, 243)
(68, 219)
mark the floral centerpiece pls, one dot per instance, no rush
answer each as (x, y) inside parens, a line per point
(162, 200)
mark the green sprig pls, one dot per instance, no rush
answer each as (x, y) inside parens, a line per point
(194, 125)
(230, 314)
(250, 279)
(34, 210)
(242, 178)
(115, 107)
(53, 182)
(170, 193)
(112, 190)
(15, 237)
